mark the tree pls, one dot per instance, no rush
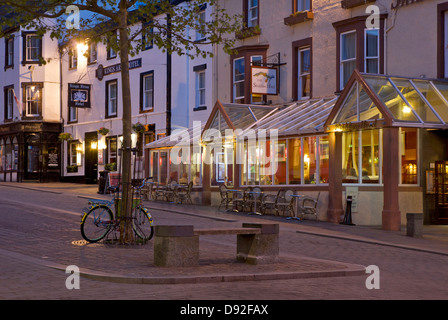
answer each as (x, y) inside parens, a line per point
(119, 24)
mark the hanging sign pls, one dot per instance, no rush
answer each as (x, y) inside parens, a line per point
(264, 80)
(79, 95)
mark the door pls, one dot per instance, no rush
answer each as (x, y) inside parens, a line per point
(33, 158)
(91, 157)
(441, 188)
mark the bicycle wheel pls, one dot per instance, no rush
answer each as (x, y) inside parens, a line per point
(142, 223)
(96, 223)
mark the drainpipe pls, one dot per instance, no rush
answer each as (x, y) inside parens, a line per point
(168, 80)
(61, 118)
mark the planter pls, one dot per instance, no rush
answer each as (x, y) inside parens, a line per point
(299, 17)
(103, 131)
(64, 136)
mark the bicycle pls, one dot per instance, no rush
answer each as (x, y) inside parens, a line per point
(98, 220)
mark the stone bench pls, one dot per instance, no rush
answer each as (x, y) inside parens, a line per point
(178, 246)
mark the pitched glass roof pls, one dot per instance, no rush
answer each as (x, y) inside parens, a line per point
(399, 101)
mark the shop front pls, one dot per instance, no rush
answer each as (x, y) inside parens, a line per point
(30, 151)
(386, 135)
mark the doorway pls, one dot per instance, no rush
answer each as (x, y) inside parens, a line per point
(441, 190)
(91, 147)
(33, 158)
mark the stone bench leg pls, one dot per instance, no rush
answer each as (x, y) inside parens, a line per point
(175, 246)
(258, 248)
(414, 225)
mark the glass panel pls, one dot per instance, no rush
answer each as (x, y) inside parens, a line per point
(367, 109)
(391, 99)
(348, 111)
(370, 156)
(324, 158)
(433, 98)
(265, 163)
(414, 99)
(196, 167)
(409, 155)
(163, 162)
(280, 174)
(155, 166)
(309, 160)
(294, 163)
(350, 157)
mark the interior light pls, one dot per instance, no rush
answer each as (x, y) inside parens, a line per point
(406, 110)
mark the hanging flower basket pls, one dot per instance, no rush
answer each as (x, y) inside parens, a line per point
(103, 131)
(65, 136)
(138, 127)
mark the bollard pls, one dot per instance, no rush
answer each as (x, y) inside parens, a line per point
(414, 225)
(348, 212)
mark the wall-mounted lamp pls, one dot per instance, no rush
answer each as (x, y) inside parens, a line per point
(94, 145)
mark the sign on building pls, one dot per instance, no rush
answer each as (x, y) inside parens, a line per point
(264, 80)
(79, 95)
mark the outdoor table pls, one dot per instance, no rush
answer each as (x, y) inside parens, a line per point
(297, 201)
(254, 193)
(234, 193)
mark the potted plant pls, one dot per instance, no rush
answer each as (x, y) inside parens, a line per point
(63, 136)
(110, 166)
(138, 127)
(103, 131)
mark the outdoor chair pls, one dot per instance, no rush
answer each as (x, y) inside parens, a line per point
(184, 193)
(226, 196)
(285, 203)
(309, 205)
(269, 201)
(171, 191)
(158, 192)
(241, 198)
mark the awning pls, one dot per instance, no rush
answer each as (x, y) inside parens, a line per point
(391, 101)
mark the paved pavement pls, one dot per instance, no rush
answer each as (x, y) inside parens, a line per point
(110, 262)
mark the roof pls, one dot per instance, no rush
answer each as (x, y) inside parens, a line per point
(392, 101)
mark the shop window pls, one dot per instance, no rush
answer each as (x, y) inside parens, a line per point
(112, 150)
(111, 98)
(324, 158)
(310, 160)
(409, 155)
(295, 161)
(154, 166)
(361, 156)
(75, 154)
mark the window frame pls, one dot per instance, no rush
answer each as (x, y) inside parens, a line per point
(25, 58)
(297, 46)
(357, 24)
(143, 76)
(92, 47)
(73, 58)
(9, 52)
(246, 52)
(9, 102)
(295, 6)
(377, 57)
(26, 114)
(108, 100)
(247, 13)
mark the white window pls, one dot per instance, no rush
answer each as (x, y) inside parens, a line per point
(371, 51)
(33, 47)
(93, 56)
(304, 72)
(10, 52)
(348, 56)
(33, 100)
(200, 20)
(72, 114)
(112, 98)
(200, 89)
(302, 5)
(256, 61)
(148, 92)
(9, 103)
(252, 13)
(238, 80)
(73, 58)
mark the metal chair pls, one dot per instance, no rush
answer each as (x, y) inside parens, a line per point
(254, 199)
(309, 205)
(285, 203)
(184, 193)
(268, 201)
(241, 198)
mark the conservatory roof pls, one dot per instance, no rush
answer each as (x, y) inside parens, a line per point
(391, 101)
